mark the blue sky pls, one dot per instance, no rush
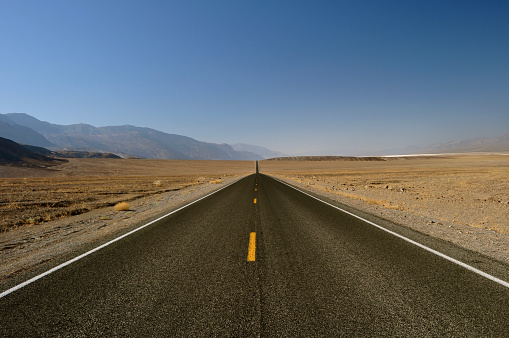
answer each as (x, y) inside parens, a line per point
(302, 77)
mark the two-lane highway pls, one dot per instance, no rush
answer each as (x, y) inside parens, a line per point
(259, 258)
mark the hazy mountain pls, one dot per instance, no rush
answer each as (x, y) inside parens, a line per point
(33, 123)
(12, 153)
(480, 144)
(21, 134)
(131, 140)
(261, 151)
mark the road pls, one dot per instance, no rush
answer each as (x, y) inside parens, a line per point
(315, 271)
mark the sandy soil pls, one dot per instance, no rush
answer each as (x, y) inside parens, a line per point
(94, 167)
(463, 199)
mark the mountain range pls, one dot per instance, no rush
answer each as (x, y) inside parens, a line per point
(481, 144)
(123, 140)
(262, 151)
(131, 141)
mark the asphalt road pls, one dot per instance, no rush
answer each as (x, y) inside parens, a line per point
(316, 272)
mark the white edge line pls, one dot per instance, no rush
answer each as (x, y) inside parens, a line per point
(58, 267)
(466, 266)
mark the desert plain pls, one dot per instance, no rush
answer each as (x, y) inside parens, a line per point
(48, 214)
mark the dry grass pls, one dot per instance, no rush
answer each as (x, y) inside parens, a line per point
(371, 201)
(122, 206)
(218, 181)
(34, 200)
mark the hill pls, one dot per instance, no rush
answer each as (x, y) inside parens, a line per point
(14, 154)
(475, 145)
(481, 144)
(129, 140)
(68, 153)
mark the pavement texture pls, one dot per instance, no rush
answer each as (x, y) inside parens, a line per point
(316, 272)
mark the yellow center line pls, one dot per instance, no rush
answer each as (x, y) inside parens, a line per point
(256, 189)
(252, 247)
(255, 201)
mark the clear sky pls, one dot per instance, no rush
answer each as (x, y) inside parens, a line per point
(302, 77)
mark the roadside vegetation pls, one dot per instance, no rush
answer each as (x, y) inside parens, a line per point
(34, 200)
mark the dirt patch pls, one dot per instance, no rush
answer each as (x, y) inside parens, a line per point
(462, 199)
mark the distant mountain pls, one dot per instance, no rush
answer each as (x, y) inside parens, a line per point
(33, 123)
(129, 140)
(481, 144)
(21, 134)
(12, 153)
(261, 151)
